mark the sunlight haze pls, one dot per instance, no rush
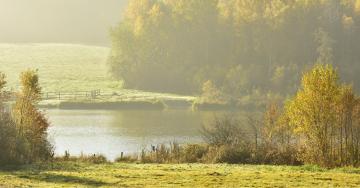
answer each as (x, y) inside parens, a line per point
(59, 21)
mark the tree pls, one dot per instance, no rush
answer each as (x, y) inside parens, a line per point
(269, 130)
(348, 127)
(211, 94)
(312, 113)
(31, 124)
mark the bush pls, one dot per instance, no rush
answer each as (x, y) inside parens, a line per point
(228, 154)
(228, 141)
(193, 153)
(277, 156)
(8, 139)
(225, 130)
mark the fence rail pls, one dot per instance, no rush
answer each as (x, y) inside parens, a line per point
(83, 95)
(71, 95)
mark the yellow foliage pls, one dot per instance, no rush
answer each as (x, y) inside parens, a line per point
(30, 85)
(139, 26)
(347, 21)
(2, 81)
(155, 13)
(357, 7)
(247, 10)
(210, 93)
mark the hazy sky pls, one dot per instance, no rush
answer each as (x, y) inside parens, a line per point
(64, 21)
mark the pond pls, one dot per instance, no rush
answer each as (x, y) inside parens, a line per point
(112, 132)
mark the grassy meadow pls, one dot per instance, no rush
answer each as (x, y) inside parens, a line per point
(61, 67)
(68, 174)
(71, 68)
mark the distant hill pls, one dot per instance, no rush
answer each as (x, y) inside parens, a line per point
(61, 66)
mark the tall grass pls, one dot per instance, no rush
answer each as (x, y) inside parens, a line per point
(91, 158)
(168, 153)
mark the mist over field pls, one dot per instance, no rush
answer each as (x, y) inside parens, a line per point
(179, 93)
(59, 21)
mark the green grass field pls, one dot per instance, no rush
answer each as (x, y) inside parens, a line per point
(70, 68)
(177, 175)
(61, 66)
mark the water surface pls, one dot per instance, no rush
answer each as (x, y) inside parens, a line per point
(112, 132)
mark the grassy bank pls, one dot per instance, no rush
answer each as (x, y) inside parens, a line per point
(118, 105)
(123, 100)
(178, 175)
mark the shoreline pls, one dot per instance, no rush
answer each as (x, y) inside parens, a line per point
(135, 105)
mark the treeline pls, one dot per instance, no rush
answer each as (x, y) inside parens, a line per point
(250, 51)
(320, 125)
(23, 128)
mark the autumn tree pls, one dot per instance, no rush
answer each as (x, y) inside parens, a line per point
(324, 115)
(312, 113)
(348, 126)
(31, 123)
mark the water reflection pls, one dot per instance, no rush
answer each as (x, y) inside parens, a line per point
(113, 132)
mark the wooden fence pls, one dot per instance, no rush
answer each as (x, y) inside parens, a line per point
(71, 95)
(85, 95)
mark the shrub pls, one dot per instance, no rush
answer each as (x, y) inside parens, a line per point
(228, 154)
(193, 153)
(8, 139)
(225, 130)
